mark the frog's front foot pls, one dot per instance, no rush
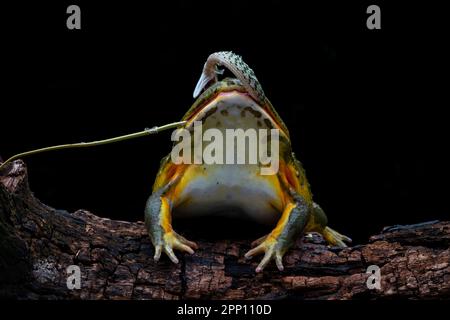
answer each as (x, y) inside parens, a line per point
(272, 249)
(158, 223)
(171, 240)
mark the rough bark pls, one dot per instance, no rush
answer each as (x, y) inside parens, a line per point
(37, 243)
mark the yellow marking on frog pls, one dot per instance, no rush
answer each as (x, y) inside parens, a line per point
(292, 176)
(282, 222)
(169, 172)
(192, 172)
(166, 217)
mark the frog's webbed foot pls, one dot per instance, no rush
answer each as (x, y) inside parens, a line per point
(277, 243)
(169, 241)
(335, 238)
(272, 249)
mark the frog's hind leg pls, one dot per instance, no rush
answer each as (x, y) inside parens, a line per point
(318, 223)
(292, 223)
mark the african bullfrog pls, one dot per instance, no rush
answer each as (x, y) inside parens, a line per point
(283, 198)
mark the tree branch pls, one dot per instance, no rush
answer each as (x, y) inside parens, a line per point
(37, 243)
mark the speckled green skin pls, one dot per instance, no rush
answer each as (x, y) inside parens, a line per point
(299, 214)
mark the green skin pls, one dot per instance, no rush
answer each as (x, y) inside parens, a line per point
(299, 213)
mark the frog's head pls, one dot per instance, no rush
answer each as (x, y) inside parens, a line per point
(242, 96)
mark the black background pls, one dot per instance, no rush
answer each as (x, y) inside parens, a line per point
(365, 108)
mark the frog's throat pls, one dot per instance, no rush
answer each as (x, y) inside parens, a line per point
(227, 85)
(231, 100)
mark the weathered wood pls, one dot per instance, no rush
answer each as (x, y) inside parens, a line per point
(37, 243)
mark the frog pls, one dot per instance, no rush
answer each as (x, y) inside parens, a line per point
(282, 199)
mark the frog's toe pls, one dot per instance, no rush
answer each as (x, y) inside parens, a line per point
(171, 241)
(271, 249)
(269, 255)
(185, 241)
(335, 238)
(169, 251)
(258, 241)
(158, 249)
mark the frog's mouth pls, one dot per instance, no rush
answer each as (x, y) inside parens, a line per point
(232, 110)
(227, 104)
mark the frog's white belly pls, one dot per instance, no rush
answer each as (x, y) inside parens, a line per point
(235, 190)
(230, 189)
